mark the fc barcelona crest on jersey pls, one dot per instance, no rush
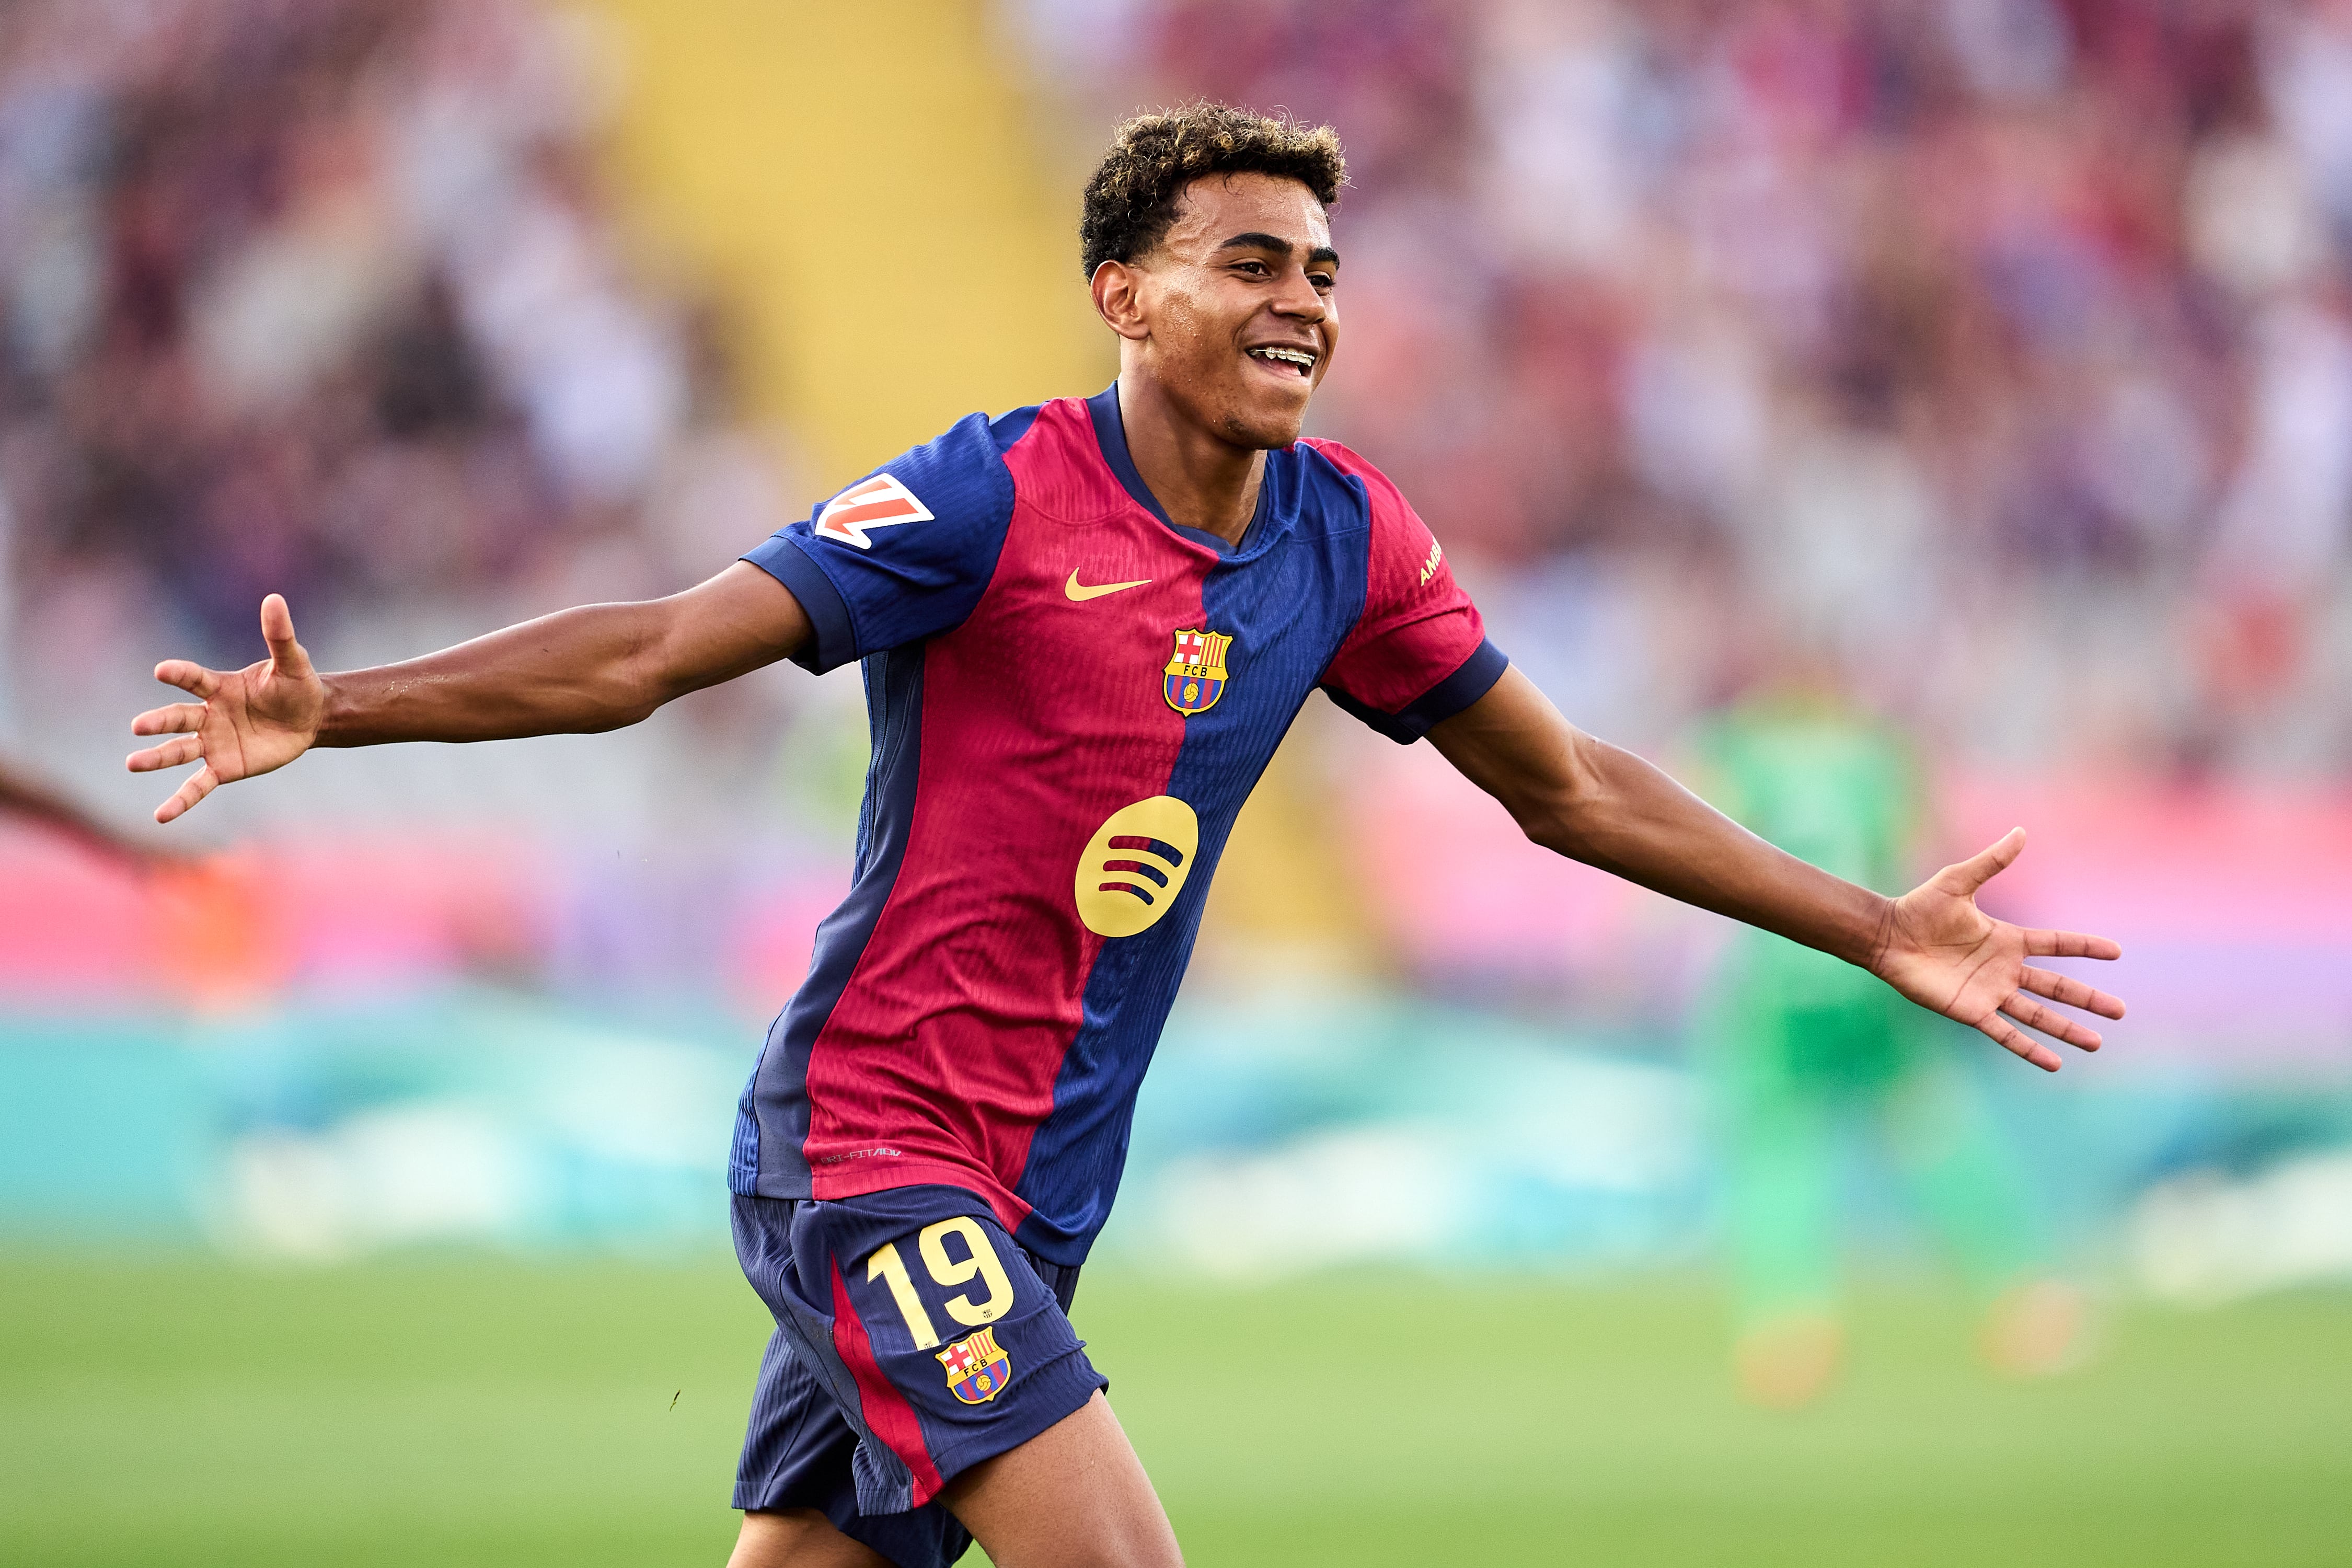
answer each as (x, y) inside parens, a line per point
(977, 1369)
(1196, 676)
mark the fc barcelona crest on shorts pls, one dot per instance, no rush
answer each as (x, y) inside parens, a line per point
(1196, 676)
(976, 1370)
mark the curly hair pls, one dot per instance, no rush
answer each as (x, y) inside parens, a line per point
(1132, 199)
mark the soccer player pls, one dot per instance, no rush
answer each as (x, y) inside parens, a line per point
(1796, 1045)
(1083, 627)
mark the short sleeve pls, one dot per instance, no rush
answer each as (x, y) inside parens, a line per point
(1418, 653)
(903, 554)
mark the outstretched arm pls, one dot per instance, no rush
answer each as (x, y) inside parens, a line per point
(22, 796)
(597, 667)
(1595, 803)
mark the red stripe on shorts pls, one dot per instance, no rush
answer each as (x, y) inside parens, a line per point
(887, 1413)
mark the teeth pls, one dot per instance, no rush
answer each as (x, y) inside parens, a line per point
(1299, 357)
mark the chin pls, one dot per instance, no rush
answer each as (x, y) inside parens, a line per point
(1265, 428)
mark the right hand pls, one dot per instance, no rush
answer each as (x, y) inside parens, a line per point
(243, 723)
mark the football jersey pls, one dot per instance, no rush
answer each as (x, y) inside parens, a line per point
(1070, 697)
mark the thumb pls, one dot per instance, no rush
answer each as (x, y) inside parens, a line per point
(1983, 866)
(286, 655)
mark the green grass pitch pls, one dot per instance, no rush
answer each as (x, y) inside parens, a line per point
(463, 1411)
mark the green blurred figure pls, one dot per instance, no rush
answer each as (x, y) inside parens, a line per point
(1799, 1046)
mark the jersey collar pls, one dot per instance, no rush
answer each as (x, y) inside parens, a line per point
(1110, 435)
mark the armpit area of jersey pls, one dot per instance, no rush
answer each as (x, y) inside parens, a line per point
(1440, 702)
(786, 560)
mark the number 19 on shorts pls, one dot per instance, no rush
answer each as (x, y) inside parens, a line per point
(979, 1259)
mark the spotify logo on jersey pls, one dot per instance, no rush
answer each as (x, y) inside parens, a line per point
(1136, 865)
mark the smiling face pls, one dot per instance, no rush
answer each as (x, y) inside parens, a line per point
(1233, 313)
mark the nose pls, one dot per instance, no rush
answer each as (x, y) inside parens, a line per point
(1299, 298)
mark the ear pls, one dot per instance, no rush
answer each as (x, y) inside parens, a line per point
(1119, 299)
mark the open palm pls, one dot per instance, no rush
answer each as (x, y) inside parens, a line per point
(1943, 952)
(244, 722)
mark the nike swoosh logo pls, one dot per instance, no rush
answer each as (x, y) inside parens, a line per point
(1079, 593)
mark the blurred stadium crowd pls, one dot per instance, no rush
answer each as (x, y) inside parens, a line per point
(2003, 347)
(329, 299)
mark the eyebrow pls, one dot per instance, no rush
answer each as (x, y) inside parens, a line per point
(1255, 240)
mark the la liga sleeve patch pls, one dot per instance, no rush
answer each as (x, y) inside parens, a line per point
(903, 554)
(882, 501)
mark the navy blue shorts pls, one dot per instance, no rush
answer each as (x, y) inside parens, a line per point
(913, 1340)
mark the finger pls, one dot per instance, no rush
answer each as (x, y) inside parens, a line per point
(171, 753)
(198, 785)
(194, 679)
(2070, 944)
(2012, 1038)
(286, 655)
(1978, 869)
(2057, 1025)
(176, 718)
(2073, 991)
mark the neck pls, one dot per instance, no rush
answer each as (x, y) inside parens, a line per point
(1203, 481)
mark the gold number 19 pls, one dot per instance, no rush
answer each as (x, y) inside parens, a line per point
(888, 1266)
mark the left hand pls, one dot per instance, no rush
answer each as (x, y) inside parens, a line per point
(1948, 955)
(244, 722)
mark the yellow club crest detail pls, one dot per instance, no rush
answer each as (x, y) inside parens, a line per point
(977, 1368)
(1196, 678)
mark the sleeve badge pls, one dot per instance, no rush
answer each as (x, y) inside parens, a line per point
(882, 501)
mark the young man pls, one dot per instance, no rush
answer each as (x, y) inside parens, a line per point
(1084, 626)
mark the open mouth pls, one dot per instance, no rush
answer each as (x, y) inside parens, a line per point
(1299, 359)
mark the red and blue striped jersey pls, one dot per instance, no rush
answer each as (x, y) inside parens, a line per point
(1070, 697)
